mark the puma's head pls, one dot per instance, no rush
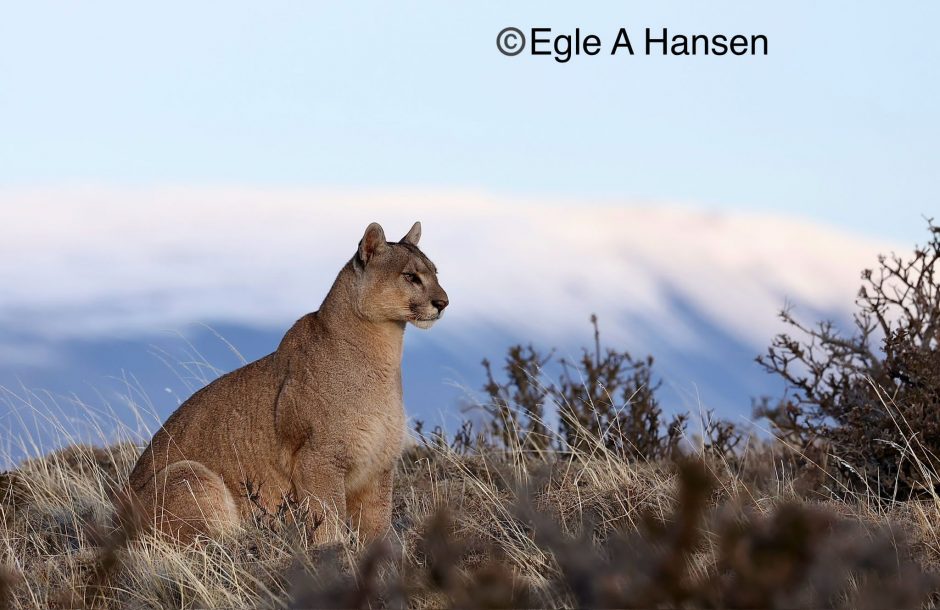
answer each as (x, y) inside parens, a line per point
(395, 281)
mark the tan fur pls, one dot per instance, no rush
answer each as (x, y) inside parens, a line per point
(320, 420)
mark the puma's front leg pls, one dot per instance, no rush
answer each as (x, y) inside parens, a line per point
(370, 508)
(319, 482)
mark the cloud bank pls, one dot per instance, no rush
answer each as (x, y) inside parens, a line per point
(92, 262)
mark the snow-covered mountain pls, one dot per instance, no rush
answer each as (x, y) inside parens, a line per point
(92, 277)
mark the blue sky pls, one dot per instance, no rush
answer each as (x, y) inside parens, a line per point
(838, 124)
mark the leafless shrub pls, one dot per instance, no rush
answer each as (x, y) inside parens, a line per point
(605, 394)
(833, 406)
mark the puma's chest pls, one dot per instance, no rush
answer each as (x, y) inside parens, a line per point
(374, 440)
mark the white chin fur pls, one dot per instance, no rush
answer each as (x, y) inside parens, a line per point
(424, 324)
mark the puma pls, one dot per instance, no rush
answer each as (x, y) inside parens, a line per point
(320, 420)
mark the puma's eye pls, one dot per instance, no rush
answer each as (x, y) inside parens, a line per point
(413, 278)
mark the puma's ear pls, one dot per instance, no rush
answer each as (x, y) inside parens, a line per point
(373, 242)
(413, 236)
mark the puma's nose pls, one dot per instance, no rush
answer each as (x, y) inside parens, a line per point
(440, 304)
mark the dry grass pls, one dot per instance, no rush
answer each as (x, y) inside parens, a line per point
(490, 529)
